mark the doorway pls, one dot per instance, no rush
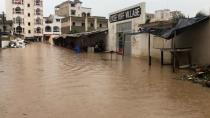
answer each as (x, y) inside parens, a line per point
(121, 29)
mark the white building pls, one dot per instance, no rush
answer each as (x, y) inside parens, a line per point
(52, 28)
(27, 16)
(130, 20)
(125, 20)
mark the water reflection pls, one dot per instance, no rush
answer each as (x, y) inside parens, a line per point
(43, 81)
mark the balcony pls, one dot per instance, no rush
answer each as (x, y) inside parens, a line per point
(38, 3)
(17, 2)
(38, 12)
(18, 10)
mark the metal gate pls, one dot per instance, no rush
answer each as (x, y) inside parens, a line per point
(121, 29)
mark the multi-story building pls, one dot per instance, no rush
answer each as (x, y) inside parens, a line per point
(161, 15)
(77, 18)
(166, 14)
(52, 28)
(5, 25)
(27, 16)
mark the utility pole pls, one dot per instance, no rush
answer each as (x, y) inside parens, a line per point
(3, 22)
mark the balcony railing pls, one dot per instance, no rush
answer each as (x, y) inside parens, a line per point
(20, 13)
(20, 2)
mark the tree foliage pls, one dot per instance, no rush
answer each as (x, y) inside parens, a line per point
(176, 18)
(200, 15)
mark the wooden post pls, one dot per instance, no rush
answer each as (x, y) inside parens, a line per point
(162, 57)
(174, 52)
(149, 50)
(124, 36)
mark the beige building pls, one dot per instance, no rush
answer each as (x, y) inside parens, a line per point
(165, 14)
(74, 24)
(27, 16)
(77, 18)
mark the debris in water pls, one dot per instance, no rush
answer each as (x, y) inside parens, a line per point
(200, 75)
(17, 43)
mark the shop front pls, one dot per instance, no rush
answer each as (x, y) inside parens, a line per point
(125, 21)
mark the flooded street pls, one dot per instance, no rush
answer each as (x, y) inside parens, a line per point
(42, 81)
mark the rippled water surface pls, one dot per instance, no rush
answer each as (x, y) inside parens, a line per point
(42, 81)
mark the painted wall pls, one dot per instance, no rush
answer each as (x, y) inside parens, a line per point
(140, 46)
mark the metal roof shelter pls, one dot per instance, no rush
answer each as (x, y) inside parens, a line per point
(83, 33)
(183, 25)
(83, 40)
(170, 33)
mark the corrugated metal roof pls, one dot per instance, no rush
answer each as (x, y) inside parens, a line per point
(82, 34)
(183, 25)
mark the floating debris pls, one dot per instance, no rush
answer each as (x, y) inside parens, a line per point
(200, 75)
(17, 43)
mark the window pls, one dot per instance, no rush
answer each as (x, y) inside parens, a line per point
(38, 21)
(88, 14)
(29, 14)
(17, 2)
(83, 24)
(101, 25)
(19, 29)
(18, 20)
(29, 31)
(38, 30)
(56, 29)
(91, 25)
(29, 24)
(38, 11)
(74, 24)
(29, 5)
(73, 12)
(83, 14)
(37, 2)
(72, 5)
(58, 20)
(48, 29)
(18, 10)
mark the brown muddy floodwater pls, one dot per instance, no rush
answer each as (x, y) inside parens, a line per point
(42, 81)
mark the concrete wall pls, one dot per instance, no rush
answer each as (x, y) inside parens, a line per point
(4, 44)
(140, 46)
(64, 10)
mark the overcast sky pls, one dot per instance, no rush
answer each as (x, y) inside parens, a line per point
(104, 7)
